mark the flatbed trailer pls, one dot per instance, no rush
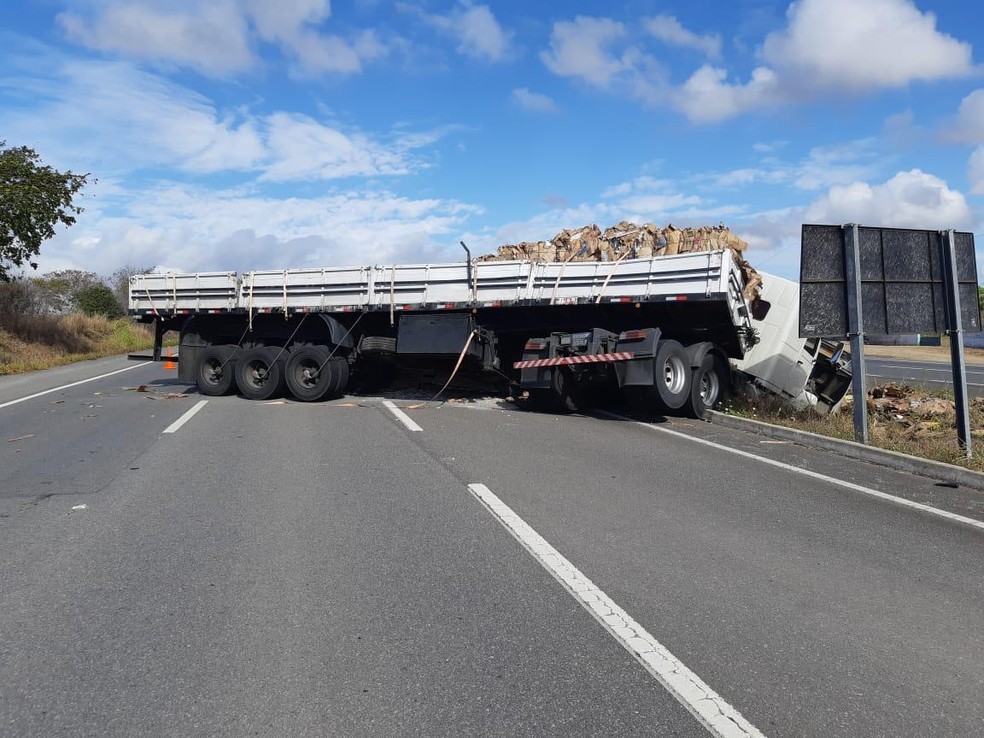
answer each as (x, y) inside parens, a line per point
(662, 329)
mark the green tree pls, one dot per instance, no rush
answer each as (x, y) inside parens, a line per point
(120, 282)
(99, 300)
(62, 286)
(34, 198)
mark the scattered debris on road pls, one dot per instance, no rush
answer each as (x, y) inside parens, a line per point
(20, 438)
(155, 394)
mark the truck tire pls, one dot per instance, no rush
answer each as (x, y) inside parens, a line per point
(708, 388)
(377, 345)
(339, 374)
(260, 373)
(558, 398)
(309, 374)
(215, 370)
(671, 375)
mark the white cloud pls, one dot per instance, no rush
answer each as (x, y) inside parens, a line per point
(218, 38)
(823, 167)
(669, 30)
(769, 147)
(474, 27)
(707, 97)
(110, 117)
(968, 128)
(212, 38)
(579, 49)
(851, 45)
(281, 20)
(195, 229)
(300, 147)
(912, 199)
(837, 164)
(975, 171)
(909, 199)
(828, 47)
(533, 101)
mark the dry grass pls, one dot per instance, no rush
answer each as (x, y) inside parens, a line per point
(928, 437)
(30, 342)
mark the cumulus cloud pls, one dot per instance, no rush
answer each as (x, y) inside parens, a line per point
(474, 27)
(968, 128)
(669, 30)
(218, 38)
(845, 44)
(827, 47)
(975, 171)
(580, 49)
(212, 38)
(533, 101)
(708, 96)
(912, 199)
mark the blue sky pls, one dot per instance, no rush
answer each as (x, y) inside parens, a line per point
(243, 134)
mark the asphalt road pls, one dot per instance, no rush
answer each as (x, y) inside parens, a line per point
(289, 569)
(929, 374)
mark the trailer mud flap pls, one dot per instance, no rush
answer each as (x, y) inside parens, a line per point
(540, 377)
(640, 370)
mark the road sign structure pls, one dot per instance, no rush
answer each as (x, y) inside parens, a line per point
(856, 280)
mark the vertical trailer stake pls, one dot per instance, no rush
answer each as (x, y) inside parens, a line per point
(471, 279)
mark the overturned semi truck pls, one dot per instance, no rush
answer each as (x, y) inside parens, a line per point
(675, 333)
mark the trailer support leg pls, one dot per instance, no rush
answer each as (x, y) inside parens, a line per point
(158, 338)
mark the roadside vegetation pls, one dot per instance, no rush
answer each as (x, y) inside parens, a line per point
(900, 418)
(41, 342)
(66, 316)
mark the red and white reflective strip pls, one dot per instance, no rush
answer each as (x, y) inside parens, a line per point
(567, 360)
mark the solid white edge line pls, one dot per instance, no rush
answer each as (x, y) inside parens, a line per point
(73, 384)
(815, 475)
(402, 416)
(176, 425)
(713, 712)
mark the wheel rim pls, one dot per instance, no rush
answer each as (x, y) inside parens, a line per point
(674, 374)
(307, 373)
(710, 388)
(257, 373)
(212, 372)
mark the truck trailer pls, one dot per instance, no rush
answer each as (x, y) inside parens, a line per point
(672, 333)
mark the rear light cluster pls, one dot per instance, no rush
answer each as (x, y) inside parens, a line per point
(631, 335)
(535, 345)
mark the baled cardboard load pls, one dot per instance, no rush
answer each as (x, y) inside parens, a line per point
(628, 240)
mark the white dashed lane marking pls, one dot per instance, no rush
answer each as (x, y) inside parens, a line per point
(719, 717)
(402, 416)
(176, 425)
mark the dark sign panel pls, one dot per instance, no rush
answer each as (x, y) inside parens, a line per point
(901, 281)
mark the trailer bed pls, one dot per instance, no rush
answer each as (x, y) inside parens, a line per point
(706, 275)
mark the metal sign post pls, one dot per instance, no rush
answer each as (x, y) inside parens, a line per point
(951, 291)
(891, 281)
(855, 330)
